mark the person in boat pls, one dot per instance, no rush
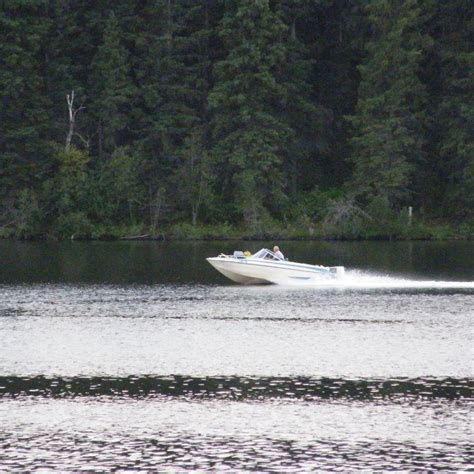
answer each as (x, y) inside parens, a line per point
(276, 251)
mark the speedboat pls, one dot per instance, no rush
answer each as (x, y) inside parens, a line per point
(266, 267)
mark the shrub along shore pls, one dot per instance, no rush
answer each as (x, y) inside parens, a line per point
(275, 231)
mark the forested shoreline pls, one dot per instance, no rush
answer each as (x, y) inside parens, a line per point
(236, 118)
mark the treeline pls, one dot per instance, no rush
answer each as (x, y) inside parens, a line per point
(310, 117)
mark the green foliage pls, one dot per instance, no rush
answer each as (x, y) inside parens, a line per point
(193, 175)
(307, 144)
(249, 134)
(443, 232)
(390, 113)
(345, 220)
(71, 183)
(68, 194)
(119, 187)
(24, 103)
(112, 232)
(280, 118)
(467, 229)
(29, 215)
(312, 207)
(111, 87)
(452, 75)
(188, 231)
(74, 225)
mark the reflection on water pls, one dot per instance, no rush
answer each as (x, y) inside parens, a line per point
(237, 388)
(139, 356)
(184, 262)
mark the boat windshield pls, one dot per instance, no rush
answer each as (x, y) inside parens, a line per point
(265, 253)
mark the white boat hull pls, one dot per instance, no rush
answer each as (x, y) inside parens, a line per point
(236, 272)
(249, 271)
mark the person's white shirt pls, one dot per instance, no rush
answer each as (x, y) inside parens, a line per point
(279, 255)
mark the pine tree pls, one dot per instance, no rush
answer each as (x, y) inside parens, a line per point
(335, 33)
(171, 65)
(307, 118)
(111, 88)
(247, 101)
(76, 31)
(159, 74)
(390, 115)
(452, 127)
(194, 50)
(24, 106)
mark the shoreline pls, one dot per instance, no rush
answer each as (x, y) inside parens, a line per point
(386, 231)
(171, 238)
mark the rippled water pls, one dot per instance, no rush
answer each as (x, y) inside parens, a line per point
(108, 433)
(175, 369)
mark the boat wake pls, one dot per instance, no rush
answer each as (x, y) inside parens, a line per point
(359, 279)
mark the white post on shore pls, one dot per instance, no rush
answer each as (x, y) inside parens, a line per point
(410, 214)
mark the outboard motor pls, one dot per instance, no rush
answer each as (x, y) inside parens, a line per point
(338, 272)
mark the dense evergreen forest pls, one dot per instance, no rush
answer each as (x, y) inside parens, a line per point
(215, 118)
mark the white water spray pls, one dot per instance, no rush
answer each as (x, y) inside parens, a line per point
(359, 279)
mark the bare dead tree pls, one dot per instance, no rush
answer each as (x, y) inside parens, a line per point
(344, 210)
(72, 122)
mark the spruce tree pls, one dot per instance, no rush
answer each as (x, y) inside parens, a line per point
(24, 106)
(194, 49)
(390, 115)
(110, 88)
(334, 32)
(159, 73)
(302, 110)
(452, 127)
(171, 64)
(75, 33)
(247, 100)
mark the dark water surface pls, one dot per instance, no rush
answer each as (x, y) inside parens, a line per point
(139, 355)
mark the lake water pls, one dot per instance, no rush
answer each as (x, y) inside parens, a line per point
(140, 356)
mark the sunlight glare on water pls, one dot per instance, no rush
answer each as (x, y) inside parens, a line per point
(259, 330)
(227, 435)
